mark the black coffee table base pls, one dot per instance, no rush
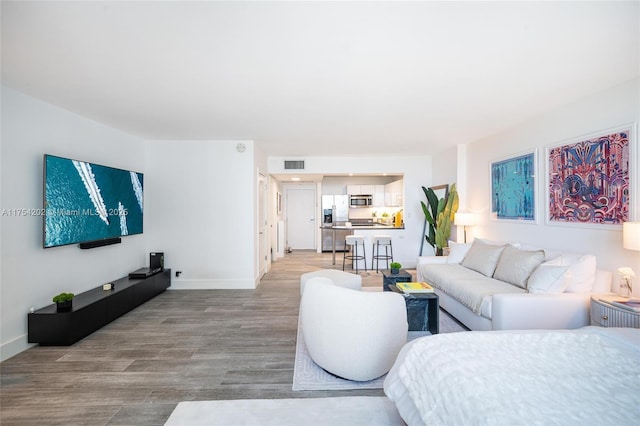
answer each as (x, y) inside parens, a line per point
(422, 310)
(389, 280)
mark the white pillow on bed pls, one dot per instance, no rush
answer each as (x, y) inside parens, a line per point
(457, 252)
(482, 257)
(550, 277)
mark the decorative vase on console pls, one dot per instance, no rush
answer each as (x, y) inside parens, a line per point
(626, 274)
(64, 306)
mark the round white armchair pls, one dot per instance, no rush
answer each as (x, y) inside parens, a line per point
(339, 278)
(353, 334)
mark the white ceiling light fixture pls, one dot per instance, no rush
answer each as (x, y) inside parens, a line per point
(241, 147)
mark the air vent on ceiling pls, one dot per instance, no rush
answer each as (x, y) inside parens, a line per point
(294, 165)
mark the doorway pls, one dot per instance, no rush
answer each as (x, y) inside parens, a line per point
(262, 225)
(300, 208)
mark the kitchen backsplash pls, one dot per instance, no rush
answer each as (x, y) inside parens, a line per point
(373, 212)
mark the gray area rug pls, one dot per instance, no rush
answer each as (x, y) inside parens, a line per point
(307, 375)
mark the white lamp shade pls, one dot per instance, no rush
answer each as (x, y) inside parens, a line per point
(631, 235)
(464, 219)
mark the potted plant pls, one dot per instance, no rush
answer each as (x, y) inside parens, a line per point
(63, 301)
(385, 218)
(395, 267)
(439, 215)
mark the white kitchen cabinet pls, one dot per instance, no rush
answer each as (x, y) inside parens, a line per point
(367, 189)
(378, 196)
(360, 189)
(353, 189)
(394, 194)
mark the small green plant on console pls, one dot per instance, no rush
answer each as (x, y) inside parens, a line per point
(63, 297)
(395, 267)
(63, 301)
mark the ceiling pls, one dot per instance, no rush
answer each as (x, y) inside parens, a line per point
(317, 78)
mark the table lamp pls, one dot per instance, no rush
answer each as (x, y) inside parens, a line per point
(631, 235)
(464, 220)
(630, 241)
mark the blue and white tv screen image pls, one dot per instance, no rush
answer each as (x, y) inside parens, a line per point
(89, 202)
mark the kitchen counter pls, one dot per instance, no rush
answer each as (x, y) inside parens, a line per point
(360, 227)
(374, 227)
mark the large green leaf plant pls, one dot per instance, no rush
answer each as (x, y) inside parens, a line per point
(439, 214)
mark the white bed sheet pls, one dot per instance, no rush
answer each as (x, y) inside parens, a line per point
(567, 377)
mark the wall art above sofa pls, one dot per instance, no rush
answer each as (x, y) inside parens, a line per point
(588, 179)
(513, 188)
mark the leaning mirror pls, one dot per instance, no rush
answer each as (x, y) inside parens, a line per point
(441, 191)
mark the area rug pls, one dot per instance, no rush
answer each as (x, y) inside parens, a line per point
(307, 375)
(353, 410)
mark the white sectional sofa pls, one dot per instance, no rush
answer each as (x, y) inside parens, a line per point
(493, 286)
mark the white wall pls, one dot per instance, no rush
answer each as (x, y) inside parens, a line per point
(416, 171)
(31, 275)
(200, 211)
(446, 170)
(616, 106)
(445, 167)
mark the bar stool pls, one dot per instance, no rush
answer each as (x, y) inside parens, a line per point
(354, 241)
(380, 241)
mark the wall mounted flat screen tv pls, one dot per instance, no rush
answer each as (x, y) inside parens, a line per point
(86, 202)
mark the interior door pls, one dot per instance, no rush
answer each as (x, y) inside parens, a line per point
(301, 218)
(262, 225)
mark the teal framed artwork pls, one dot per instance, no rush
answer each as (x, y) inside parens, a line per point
(513, 188)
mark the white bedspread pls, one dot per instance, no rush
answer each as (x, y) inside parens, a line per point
(589, 376)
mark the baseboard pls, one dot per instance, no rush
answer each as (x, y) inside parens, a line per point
(222, 284)
(14, 347)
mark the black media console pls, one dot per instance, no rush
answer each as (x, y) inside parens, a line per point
(93, 309)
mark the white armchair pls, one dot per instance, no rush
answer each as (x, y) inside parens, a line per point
(339, 278)
(353, 334)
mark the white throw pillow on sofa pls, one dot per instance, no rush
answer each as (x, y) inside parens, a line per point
(482, 257)
(583, 271)
(515, 265)
(457, 252)
(499, 243)
(550, 277)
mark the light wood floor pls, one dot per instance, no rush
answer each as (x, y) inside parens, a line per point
(181, 345)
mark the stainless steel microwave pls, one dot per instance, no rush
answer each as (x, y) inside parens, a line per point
(357, 201)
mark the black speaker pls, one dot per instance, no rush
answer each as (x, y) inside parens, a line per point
(156, 260)
(100, 243)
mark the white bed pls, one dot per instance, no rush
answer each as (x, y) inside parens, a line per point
(589, 376)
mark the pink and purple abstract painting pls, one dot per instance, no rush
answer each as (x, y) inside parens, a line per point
(589, 180)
